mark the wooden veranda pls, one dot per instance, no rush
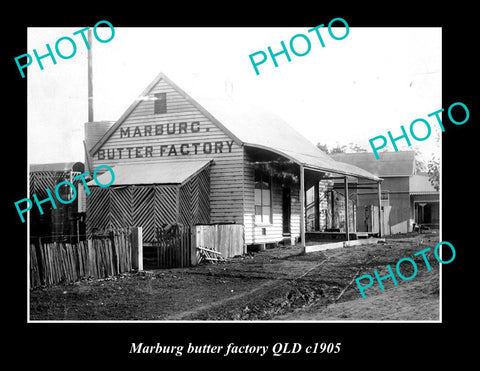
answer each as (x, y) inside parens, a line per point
(311, 177)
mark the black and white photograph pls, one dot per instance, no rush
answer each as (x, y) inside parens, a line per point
(188, 184)
(217, 193)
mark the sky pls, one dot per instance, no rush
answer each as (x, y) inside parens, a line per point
(371, 82)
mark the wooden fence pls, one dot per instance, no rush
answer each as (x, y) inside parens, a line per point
(176, 245)
(225, 238)
(172, 247)
(98, 257)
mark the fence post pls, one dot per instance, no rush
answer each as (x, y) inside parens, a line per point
(137, 248)
(193, 245)
(41, 260)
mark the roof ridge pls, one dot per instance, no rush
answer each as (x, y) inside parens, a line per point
(145, 92)
(255, 126)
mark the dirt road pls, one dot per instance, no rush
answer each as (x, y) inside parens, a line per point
(276, 284)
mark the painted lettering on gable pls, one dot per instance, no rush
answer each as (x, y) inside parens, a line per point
(170, 128)
(166, 150)
(187, 148)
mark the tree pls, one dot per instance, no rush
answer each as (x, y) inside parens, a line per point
(433, 169)
(349, 148)
(420, 163)
(323, 147)
(354, 147)
(420, 166)
(339, 149)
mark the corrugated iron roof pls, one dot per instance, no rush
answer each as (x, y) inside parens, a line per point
(58, 166)
(254, 127)
(94, 131)
(401, 163)
(152, 173)
(424, 193)
(257, 128)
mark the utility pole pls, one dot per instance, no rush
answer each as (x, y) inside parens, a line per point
(90, 78)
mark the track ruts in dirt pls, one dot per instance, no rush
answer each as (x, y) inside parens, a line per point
(281, 295)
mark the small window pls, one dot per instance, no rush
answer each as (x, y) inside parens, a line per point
(160, 105)
(263, 197)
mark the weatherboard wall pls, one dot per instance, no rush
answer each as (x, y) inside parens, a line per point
(259, 233)
(144, 136)
(186, 132)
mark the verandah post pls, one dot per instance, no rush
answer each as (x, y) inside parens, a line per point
(137, 248)
(379, 209)
(193, 245)
(316, 203)
(302, 208)
(332, 212)
(347, 217)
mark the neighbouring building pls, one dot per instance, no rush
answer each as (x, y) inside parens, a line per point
(409, 200)
(182, 160)
(65, 222)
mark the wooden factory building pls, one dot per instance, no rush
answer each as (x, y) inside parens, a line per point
(188, 161)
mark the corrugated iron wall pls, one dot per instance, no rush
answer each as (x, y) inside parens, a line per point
(132, 206)
(149, 206)
(194, 200)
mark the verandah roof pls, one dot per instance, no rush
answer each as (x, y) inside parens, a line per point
(257, 128)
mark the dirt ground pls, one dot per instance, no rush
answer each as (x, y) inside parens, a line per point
(276, 284)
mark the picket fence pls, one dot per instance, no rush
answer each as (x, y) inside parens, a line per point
(176, 245)
(98, 257)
